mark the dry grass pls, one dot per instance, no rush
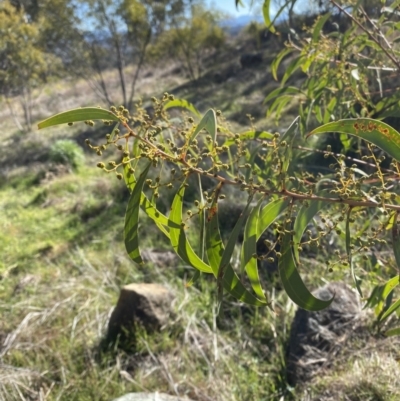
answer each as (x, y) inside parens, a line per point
(371, 375)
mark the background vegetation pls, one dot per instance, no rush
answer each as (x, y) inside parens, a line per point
(63, 261)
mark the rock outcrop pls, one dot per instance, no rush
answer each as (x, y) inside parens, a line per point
(316, 337)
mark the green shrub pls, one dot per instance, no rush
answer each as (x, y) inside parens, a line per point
(66, 152)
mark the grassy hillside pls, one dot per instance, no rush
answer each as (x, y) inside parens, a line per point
(63, 262)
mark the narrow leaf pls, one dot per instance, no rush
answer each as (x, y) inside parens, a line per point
(392, 332)
(277, 61)
(178, 237)
(266, 14)
(160, 219)
(147, 206)
(396, 240)
(202, 222)
(113, 132)
(252, 161)
(380, 293)
(248, 262)
(349, 258)
(290, 133)
(82, 114)
(209, 122)
(129, 177)
(194, 278)
(318, 27)
(184, 104)
(392, 309)
(215, 250)
(289, 136)
(287, 90)
(305, 215)
(269, 213)
(292, 67)
(278, 105)
(132, 219)
(373, 131)
(230, 246)
(292, 282)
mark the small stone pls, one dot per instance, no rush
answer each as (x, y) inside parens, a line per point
(147, 304)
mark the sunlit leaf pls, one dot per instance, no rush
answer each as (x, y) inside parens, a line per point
(287, 90)
(129, 177)
(390, 310)
(319, 26)
(209, 123)
(266, 14)
(178, 237)
(269, 213)
(82, 114)
(160, 219)
(182, 103)
(132, 219)
(380, 293)
(292, 67)
(374, 131)
(392, 332)
(277, 61)
(194, 278)
(267, 10)
(278, 105)
(347, 142)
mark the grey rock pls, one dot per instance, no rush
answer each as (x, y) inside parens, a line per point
(316, 337)
(147, 304)
(150, 397)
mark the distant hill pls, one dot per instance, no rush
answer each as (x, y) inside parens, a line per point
(235, 24)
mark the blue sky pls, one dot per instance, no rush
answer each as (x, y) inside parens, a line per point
(229, 7)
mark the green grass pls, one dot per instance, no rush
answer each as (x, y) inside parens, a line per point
(62, 265)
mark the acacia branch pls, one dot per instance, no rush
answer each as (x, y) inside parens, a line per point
(392, 58)
(180, 159)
